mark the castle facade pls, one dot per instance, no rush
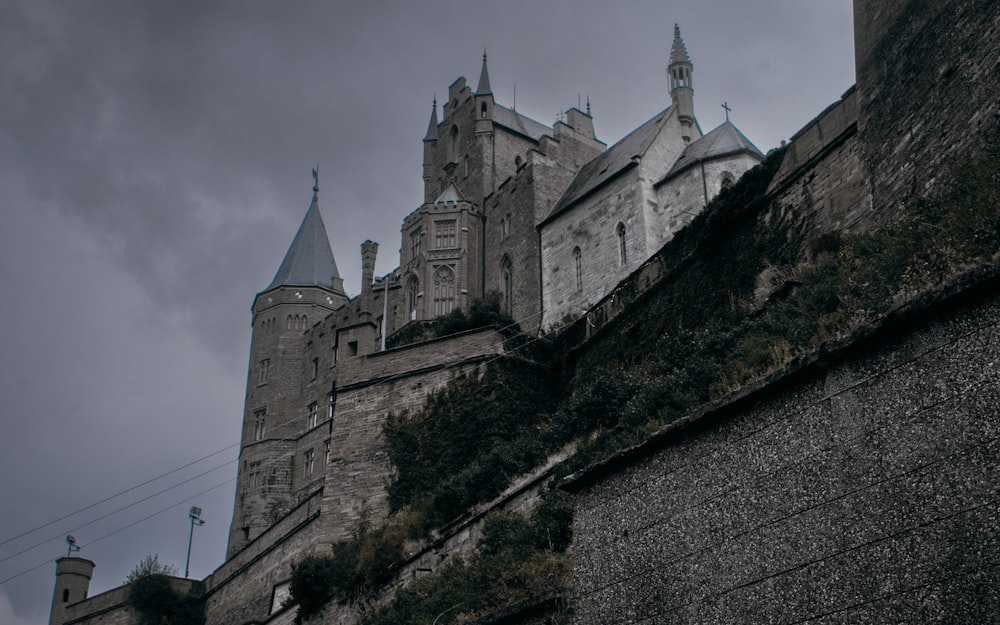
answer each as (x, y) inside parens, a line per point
(548, 217)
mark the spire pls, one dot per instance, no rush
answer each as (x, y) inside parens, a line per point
(678, 51)
(484, 79)
(432, 127)
(309, 259)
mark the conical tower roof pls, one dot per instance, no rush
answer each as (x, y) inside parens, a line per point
(309, 260)
(432, 126)
(678, 51)
(484, 80)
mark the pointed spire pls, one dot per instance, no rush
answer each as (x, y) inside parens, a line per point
(309, 260)
(432, 126)
(678, 51)
(484, 79)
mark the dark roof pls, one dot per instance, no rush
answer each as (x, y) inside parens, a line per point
(309, 259)
(678, 51)
(484, 79)
(513, 120)
(725, 140)
(606, 166)
(432, 126)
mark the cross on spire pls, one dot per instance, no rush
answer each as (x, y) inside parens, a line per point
(725, 105)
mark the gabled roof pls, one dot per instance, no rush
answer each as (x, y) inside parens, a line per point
(611, 162)
(450, 194)
(513, 120)
(309, 259)
(725, 140)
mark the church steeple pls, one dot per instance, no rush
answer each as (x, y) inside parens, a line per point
(309, 260)
(680, 69)
(484, 79)
(432, 126)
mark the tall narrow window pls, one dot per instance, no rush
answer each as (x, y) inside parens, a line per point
(578, 262)
(622, 255)
(264, 371)
(444, 234)
(253, 474)
(444, 291)
(327, 451)
(414, 244)
(315, 368)
(411, 299)
(506, 285)
(313, 419)
(331, 400)
(259, 425)
(308, 462)
(453, 145)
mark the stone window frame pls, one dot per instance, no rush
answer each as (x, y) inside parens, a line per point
(312, 418)
(264, 372)
(578, 262)
(331, 402)
(622, 250)
(415, 237)
(254, 474)
(445, 234)
(444, 282)
(308, 462)
(327, 451)
(259, 423)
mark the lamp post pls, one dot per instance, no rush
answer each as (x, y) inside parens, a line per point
(195, 516)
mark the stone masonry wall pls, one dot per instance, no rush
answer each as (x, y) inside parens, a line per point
(862, 491)
(370, 388)
(927, 76)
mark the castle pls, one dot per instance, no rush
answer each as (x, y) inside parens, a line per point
(546, 217)
(858, 486)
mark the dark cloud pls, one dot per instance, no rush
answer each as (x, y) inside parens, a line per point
(154, 165)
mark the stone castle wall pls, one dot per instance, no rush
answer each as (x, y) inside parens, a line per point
(864, 491)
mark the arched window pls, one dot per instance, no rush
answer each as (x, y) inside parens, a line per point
(518, 161)
(727, 180)
(453, 145)
(411, 299)
(288, 322)
(506, 285)
(622, 255)
(444, 291)
(482, 110)
(578, 262)
(65, 595)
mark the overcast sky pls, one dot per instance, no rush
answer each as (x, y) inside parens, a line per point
(155, 162)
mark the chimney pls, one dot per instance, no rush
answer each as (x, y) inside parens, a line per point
(368, 251)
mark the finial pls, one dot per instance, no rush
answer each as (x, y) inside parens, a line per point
(725, 105)
(484, 54)
(316, 181)
(588, 106)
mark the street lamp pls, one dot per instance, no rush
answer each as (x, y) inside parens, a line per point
(195, 516)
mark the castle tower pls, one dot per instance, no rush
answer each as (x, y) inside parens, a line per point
(430, 144)
(72, 583)
(306, 288)
(484, 104)
(680, 69)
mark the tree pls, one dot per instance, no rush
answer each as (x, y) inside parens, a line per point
(150, 565)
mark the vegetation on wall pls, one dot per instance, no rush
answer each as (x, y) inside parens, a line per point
(751, 286)
(156, 601)
(482, 313)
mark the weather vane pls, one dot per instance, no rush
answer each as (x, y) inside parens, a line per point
(71, 541)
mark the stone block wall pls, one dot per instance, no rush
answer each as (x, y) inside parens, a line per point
(371, 388)
(862, 490)
(927, 75)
